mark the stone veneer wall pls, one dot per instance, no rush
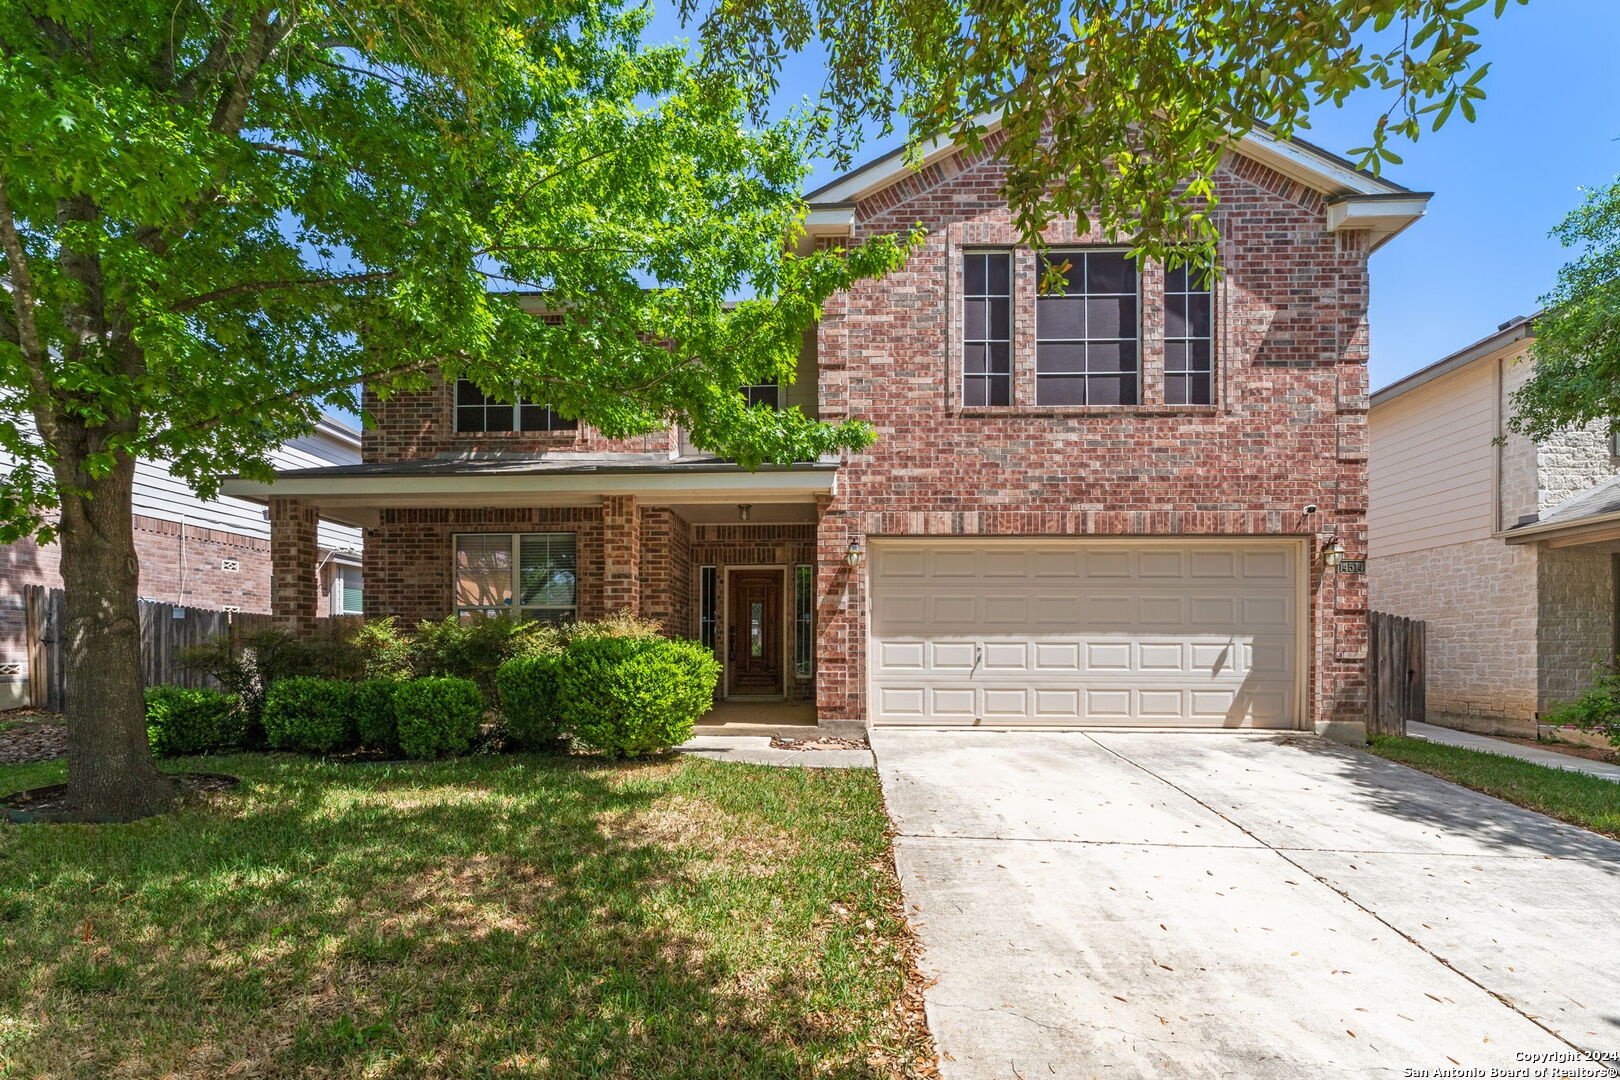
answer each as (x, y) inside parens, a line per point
(1288, 427)
(1575, 623)
(1479, 600)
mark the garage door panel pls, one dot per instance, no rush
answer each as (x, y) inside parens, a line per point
(1201, 634)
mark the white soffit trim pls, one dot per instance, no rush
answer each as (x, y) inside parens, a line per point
(806, 484)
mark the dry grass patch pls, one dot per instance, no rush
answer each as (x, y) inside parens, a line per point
(510, 916)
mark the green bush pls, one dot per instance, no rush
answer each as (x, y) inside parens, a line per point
(630, 696)
(437, 716)
(382, 650)
(186, 721)
(374, 722)
(1597, 709)
(476, 649)
(311, 714)
(528, 698)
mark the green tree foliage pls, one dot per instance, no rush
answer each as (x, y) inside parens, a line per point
(1577, 347)
(219, 216)
(1114, 113)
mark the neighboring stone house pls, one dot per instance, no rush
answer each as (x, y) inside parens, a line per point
(1100, 506)
(1506, 550)
(207, 554)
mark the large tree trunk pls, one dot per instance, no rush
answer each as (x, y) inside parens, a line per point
(111, 773)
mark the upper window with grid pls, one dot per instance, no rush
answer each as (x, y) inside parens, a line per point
(1086, 331)
(477, 411)
(1189, 340)
(987, 328)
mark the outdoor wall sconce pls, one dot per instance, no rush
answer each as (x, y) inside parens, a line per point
(744, 510)
(853, 554)
(1332, 551)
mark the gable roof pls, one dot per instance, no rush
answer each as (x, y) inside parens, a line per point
(1356, 198)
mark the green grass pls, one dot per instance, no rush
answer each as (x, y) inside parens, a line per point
(1588, 801)
(488, 917)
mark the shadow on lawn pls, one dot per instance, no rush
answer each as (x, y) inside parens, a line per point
(500, 917)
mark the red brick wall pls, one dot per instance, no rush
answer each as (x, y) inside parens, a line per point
(666, 570)
(422, 423)
(1288, 427)
(202, 583)
(409, 569)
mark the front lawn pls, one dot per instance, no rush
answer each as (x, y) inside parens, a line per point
(483, 917)
(1588, 801)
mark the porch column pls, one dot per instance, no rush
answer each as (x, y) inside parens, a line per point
(840, 620)
(621, 554)
(294, 554)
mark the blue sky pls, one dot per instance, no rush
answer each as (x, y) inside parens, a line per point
(1482, 254)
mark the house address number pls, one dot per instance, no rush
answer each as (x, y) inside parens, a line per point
(1352, 566)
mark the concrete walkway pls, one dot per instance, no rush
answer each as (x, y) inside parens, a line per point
(757, 750)
(1550, 758)
(1242, 906)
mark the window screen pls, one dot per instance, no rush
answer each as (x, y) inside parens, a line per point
(1189, 341)
(350, 600)
(1086, 331)
(987, 328)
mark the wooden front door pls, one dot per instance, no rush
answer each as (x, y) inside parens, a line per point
(754, 651)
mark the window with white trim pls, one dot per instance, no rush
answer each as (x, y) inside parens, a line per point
(530, 575)
(1189, 338)
(1086, 330)
(478, 411)
(347, 592)
(987, 328)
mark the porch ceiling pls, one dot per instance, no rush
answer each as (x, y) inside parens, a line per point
(707, 489)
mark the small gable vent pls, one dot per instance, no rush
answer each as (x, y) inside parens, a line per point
(232, 565)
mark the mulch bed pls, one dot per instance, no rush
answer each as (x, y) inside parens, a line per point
(825, 742)
(49, 803)
(31, 735)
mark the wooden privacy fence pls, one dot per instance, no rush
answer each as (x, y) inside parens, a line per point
(167, 630)
(1396, 695)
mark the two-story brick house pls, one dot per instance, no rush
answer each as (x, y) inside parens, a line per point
(1103, 505)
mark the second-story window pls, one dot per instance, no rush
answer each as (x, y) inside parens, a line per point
(1189, 341)
(477, 411)
(763, 394)
(987, 328)
(1086, 331)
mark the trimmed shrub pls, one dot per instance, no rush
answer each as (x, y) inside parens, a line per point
(382, 650)
(1597, 709)
(437, 716)
(476, 649)
(528, 698)
(192, 721)
(374, 723)
(629, 696)
(307, 713)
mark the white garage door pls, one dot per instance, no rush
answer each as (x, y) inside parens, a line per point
(1085, 632)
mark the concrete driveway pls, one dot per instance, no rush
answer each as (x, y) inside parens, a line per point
(1245, 906)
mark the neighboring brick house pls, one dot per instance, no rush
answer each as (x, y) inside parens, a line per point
(1507, 551)
(207, 554)
(1099, 507)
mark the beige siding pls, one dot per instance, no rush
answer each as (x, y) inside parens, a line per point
(1431, 465)
(803, 391)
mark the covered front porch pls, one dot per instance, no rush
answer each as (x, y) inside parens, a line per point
(707, 550)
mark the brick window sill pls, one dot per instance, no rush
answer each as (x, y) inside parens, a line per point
(995, 411)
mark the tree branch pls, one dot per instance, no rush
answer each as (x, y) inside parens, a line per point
(180, 307)
(294, 396)
(22, 302)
